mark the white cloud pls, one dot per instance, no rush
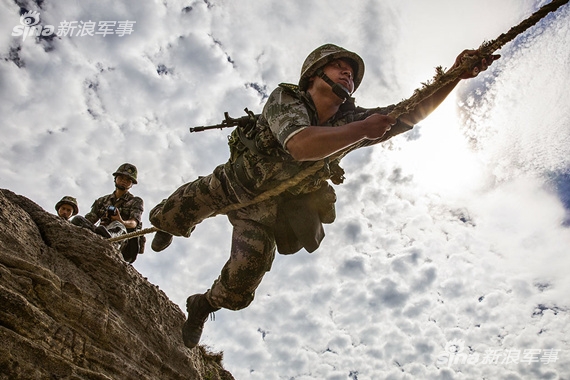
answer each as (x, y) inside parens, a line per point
(454, 234)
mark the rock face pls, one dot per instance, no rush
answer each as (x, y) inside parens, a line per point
(71, 308)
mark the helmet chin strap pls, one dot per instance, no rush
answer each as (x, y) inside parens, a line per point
(337, 89)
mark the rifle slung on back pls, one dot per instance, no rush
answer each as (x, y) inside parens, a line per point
(229, 122)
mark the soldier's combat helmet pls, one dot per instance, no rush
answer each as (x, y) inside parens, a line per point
(325, 54)
(69, 201)
(129, 170)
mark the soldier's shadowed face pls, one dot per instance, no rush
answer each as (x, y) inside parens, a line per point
(65, 211)
(122, 182)
(341, 71)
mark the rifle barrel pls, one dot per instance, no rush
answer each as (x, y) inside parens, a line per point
(228, 122)
(205, 128)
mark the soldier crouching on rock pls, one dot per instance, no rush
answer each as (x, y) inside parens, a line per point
(118, 213)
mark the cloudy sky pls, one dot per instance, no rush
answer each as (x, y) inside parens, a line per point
(449, 256)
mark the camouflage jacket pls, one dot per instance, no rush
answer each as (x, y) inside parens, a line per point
(130, 206)
(258, 157)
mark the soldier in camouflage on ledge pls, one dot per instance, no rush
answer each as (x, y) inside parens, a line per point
(67, 207)
(118, 213)
(300, 124)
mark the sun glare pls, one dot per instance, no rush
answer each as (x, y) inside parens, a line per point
(440, 160)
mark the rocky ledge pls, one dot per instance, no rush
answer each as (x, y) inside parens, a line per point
(71, 308)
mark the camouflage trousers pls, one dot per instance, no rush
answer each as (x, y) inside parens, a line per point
(253, 240)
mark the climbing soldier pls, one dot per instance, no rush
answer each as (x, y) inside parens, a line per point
(313, 121)
(67, 207)
(118, 213)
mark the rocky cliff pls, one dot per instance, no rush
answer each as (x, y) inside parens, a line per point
(71, 308)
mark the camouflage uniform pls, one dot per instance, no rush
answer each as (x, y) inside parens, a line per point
(130, 206)
(249, 172)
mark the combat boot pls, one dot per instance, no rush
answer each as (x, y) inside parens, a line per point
(161, 241)
(198, 309)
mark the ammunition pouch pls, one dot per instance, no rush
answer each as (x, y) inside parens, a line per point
(142, 242)
(300, 218)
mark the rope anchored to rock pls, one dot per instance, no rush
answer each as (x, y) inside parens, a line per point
(440, 80)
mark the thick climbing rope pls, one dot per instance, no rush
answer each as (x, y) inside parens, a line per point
(440, 80)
